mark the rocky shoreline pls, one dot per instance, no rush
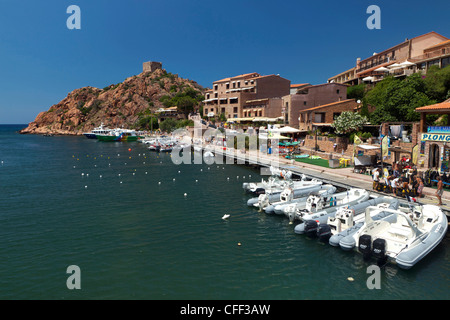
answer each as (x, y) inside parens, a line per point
(116, 105)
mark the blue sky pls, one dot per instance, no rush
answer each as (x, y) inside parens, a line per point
(41, 60)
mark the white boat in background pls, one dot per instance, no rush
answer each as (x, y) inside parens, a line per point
(98, 130)
(404, 238)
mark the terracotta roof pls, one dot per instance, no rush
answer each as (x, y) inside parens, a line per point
(439, 44)
(443, 106)
(238, 77)
(327, 105)
(299, 85)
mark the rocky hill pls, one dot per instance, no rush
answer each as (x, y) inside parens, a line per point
(117, 105)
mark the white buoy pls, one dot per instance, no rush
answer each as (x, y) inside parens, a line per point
(87, 174)
(119, 174)
(225, 216)
(196, 180)
(228, 178)
(159, 182)
(82, 174)
(85, 187)
(120, 181)
(237, 177)
(185, 194)
(173, 179)
(100, 176)
(145, 172)
(134, 173)
(179, 171)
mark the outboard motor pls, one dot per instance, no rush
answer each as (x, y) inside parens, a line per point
(311, 227)
(263, 201)
(379, 251)
(324, 232)
(365, 245)
(259, 191)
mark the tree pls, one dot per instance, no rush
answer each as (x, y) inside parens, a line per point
(397, 100)
(437, 83)
(356, 92)
(168, 125)
(348, 122)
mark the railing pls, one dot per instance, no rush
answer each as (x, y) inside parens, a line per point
(434, 54)
(374, 64)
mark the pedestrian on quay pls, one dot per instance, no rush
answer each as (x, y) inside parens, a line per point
(440, 190)
(376, 178)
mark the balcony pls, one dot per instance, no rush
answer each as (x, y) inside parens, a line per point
(433, 54)
(374, 64)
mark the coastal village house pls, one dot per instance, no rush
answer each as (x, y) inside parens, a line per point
(246, 95)
(434, 141)
(305, 96)
(324, 115)
(408, 57)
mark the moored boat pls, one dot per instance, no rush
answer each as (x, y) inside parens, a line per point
(119, 135)
(404, 239)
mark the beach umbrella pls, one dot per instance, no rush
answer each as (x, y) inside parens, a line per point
(382, 69)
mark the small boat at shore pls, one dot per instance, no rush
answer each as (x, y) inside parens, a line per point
(349, 220)
(288, 198)
(299, 188)
(319, 208)
(119, 135)
(404, 238)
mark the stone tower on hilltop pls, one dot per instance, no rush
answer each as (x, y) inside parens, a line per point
(151, 66)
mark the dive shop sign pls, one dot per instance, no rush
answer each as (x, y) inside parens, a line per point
(436, 137)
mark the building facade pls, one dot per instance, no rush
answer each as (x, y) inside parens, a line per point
(245, 95)
(309, 96)
(324, 115)
(403, 59)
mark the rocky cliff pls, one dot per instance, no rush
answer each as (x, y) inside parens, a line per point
(116, 105)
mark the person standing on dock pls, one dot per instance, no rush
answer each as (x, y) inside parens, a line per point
(376, 178)
(440, 190)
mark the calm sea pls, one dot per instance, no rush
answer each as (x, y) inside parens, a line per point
(122, 217)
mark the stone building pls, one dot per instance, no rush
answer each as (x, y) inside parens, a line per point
(246, 95)
(151, 66)
(309, 96)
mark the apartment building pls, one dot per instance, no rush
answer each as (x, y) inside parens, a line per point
(403, 59)
(246, 95)
(309, 96)
(324, 115)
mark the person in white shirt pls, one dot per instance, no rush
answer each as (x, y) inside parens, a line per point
(376, 178)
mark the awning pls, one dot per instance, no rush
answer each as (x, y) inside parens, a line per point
(407, 64)
(368, 147)
(287, 129)
(382, 69)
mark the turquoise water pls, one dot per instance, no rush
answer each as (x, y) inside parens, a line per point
(134, 238)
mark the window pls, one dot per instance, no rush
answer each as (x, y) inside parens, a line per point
(235, 109)
(239, 84)
(233, 100)
(222, 110)
(228, 86)
(304, 103)
(337, 91)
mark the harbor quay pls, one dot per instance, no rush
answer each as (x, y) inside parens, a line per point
(341, 177)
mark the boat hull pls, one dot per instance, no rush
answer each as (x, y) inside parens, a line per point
(107, 138)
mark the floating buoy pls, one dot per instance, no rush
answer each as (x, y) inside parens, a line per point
(134, 173)
(120, 181)
(228, 178)
(100, 176)
(85, 187)
(145, 172)
(173, 179)
(350, 279)
(82, 174)
(119, 174)
(179, 171)
(159, 182)
(129, 149)
(196, 180)
(225, 216)
(239, 244)
(185, 194)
